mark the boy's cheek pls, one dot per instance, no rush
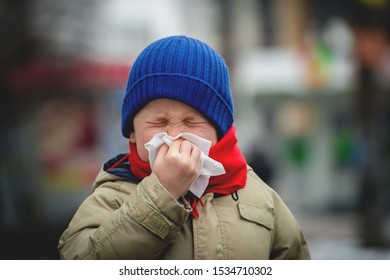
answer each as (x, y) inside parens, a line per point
(142, 153)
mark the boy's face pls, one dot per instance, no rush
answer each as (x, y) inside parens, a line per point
(172, 117)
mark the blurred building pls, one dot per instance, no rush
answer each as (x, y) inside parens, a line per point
(64, 66)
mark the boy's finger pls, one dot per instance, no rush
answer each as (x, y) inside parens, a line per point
(175, 146)
(195, 152)
(186, 147)
(163, 150)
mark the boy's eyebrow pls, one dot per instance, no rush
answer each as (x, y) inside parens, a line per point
(157, 115)
(197, 118)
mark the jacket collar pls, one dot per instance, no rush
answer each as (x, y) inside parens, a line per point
(119, 166)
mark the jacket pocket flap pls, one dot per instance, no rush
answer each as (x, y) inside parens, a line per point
(257, 215)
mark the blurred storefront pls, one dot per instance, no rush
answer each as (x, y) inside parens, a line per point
(321, 101)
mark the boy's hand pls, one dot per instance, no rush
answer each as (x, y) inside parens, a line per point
(177, 166)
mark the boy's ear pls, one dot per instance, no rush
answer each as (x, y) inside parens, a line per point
(132, 137)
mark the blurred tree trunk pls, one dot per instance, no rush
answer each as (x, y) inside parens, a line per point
(15, 49)
(374, 174)
(370, 25)
(226, 12)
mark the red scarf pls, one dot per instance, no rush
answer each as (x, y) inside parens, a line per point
(226, 151)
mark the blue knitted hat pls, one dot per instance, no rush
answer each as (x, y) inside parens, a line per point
(184, 69)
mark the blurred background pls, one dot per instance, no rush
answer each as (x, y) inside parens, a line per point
(310, 81)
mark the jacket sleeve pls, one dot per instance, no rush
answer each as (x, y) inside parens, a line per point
(113, 225)
(288, 241)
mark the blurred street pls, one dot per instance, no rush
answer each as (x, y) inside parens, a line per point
(335, 237)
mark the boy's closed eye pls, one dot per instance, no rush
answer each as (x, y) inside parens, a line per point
(194, 123)
(157, 123)
(165, 122)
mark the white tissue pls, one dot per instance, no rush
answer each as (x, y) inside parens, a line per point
(209, 167)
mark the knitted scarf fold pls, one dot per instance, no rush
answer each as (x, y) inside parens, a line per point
(226, 151)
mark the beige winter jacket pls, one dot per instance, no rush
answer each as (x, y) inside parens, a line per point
(124, 220)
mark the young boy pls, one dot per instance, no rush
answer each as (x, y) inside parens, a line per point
(141, 209)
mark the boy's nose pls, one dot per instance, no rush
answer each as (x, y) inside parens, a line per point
(174, 129)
